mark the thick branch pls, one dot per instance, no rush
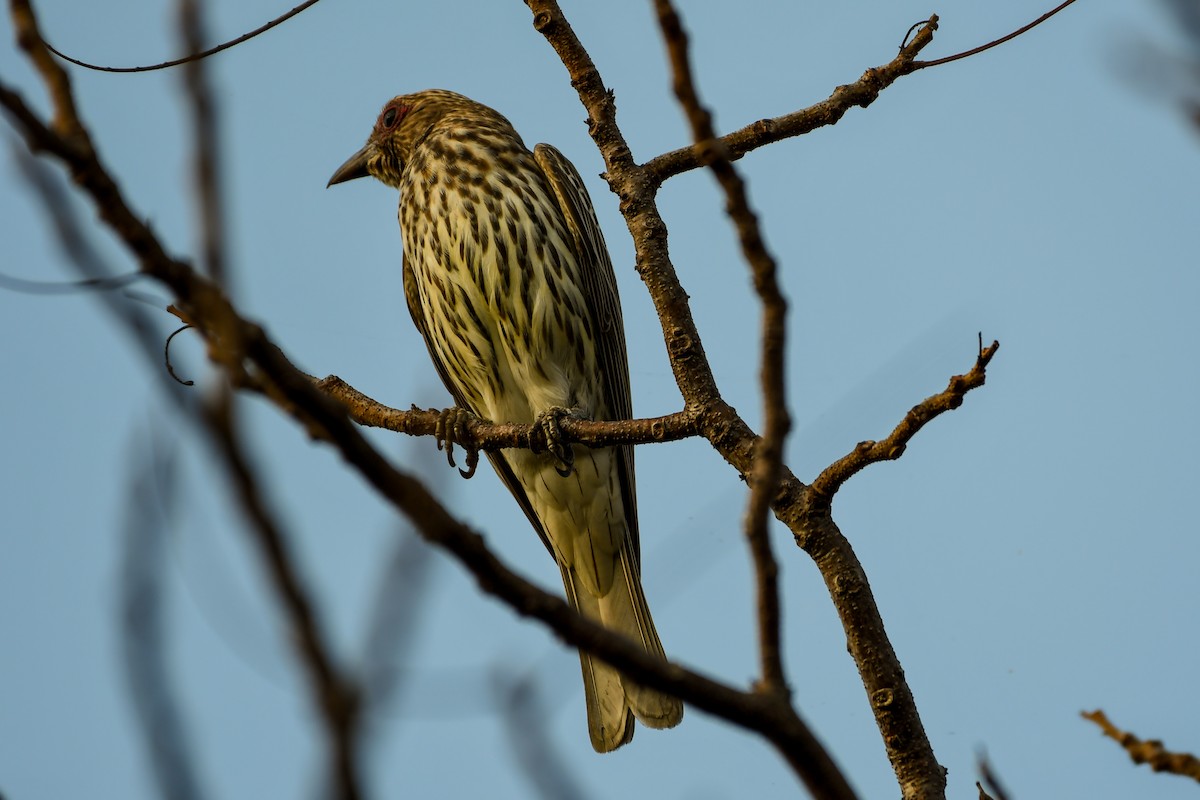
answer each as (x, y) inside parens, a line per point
(896, 714)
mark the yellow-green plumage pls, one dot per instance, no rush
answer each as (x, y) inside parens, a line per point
(509, 282)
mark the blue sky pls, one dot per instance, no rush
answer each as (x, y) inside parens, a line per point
(1033, 553)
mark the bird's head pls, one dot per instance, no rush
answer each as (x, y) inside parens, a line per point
(401, 126)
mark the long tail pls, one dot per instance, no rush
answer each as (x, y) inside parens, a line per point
(613, 700)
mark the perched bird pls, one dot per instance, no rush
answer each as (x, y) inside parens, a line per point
(508, 279)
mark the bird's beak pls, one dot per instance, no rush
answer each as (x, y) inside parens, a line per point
(355, 167)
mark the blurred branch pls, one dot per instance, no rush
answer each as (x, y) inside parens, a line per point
(861, 93)
(395, 616)
(196, 53)
(889, 449)
(1150, 751)
(768, 459)
(1165, 69)
(206, 140)
(524, 718)
(335, 694)
(991, 780)
(142, 610)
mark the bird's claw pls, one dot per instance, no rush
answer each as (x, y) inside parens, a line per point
(451, 428)
(548, 438)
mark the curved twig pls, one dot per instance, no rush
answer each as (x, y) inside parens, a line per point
(186, 59)
(916, 65)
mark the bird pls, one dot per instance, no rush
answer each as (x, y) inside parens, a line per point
(509, 281)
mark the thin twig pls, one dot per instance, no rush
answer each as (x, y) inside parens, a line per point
(769, 457)
(861, 93)
(916, 65)
(195, 56)
(888, 449)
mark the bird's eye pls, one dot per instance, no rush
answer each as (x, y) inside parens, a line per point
(392, 116)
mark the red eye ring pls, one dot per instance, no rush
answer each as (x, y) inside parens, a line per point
(392, 116)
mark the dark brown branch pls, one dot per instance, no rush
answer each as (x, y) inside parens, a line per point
(916, 65)
(195, 56)
(1149, 751)
(891, 448)
(861, 93)
(768, 460)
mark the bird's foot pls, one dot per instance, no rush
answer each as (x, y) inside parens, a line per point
(548, 438)
(452, 428)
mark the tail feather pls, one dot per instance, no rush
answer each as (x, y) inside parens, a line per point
(613, 700)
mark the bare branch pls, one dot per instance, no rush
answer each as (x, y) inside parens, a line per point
(395, 615)
(523, 715)
(916, 65)
(206, 164)
(486, 435)
(1149, 751)
(861, 93)
(803, 511)
(159, 715)
(195, 56)
(891, 448)
(768, 460)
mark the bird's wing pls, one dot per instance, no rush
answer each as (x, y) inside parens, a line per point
(499, 463)
(604, 304)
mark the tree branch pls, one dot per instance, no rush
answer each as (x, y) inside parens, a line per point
(485, 435)
(1149, 751)
(768, 459)
(861, 93)
(889, 449)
